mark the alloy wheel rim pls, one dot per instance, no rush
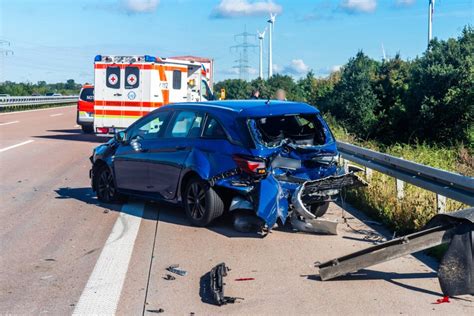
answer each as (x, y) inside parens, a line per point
(106, 185)
(197, 200)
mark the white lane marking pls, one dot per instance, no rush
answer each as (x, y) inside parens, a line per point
(17, 145)
(102, 292)
(8, 123)
(57, 114)
(51, 108)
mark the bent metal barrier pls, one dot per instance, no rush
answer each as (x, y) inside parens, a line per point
(443, 183)
(32, 101)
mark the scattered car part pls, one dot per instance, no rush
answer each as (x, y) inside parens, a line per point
(217, 275)
(177, 270)
(317, 225)
(244, 279)
(456, 269)
(160, 310)
(246, 222)
(169, 277)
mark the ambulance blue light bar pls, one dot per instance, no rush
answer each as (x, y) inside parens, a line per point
(98, 58)
(150, 59)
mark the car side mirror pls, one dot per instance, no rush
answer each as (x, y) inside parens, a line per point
(120, 136)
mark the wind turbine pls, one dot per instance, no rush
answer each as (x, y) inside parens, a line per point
(430, 20)
(270, 48)
(260, 43)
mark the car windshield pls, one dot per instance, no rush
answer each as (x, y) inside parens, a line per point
(87, 94)
(300, 129)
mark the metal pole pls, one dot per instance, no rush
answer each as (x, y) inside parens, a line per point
(270, 61)
(430, 21)
(260, 68)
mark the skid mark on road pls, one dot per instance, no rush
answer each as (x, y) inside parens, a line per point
(57, 114)
(102, 292)
(8, 123)
(17, 145)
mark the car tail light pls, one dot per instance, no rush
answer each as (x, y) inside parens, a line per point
(102, 130)
(250, 165)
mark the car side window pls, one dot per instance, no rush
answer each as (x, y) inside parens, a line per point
(186, 124)
(214, 129)
(149, 128)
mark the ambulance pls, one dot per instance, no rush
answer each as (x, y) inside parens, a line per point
(129, 87)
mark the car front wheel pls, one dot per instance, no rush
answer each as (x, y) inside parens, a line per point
(201, 202)
(105, 186)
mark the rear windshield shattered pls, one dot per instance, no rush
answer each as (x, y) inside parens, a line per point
(300, 129)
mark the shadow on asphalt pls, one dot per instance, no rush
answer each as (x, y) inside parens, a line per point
(367, 274)
(163, 212)
(73, 135)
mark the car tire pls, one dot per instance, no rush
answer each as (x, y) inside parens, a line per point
(104, 184)
(319, 209)
(201, 203)
(87, 129)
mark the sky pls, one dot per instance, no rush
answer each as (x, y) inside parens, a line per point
(57, 40)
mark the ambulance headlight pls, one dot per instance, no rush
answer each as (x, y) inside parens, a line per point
(98, 58)
(150, 59)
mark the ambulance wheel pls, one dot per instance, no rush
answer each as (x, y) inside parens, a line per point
(201, 203)
(319, 209)
(87, 129)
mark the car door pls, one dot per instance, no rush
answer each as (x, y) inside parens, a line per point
(132, 159)
(170, 153)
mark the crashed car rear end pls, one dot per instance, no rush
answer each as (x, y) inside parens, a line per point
(291, 172)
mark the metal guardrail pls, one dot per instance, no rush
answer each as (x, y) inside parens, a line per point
(444, 183)
(40, 100)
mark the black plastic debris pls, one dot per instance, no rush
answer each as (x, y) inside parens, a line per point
(212, 286)
(169, 277)
(160, 310)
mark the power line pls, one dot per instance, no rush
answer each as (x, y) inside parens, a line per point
(243, 46)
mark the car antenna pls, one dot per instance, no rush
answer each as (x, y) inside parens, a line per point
(268, 101)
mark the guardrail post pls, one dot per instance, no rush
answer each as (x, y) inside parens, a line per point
(368, 173)
(400, 189)
(441, 203)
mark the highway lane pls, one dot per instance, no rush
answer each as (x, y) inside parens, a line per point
(61, 250)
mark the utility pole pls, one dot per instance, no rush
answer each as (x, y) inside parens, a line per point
(260, 45)
(271, 21)
(242, 48)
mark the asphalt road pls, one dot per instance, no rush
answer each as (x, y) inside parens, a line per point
(61, 252)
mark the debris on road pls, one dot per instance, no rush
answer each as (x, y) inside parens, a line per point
(106, 211)
(160, 310)
(169, 277)
(456, 269)
(177, 270)
(244, 279)
(217, 275)
(445, 299)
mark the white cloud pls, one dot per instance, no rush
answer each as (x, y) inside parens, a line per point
(335, 68)
(296, 67)
(404, 2)
(357, 6)
(140, 6)
(237, 8)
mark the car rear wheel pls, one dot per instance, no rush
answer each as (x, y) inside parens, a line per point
(105, 186)
(87, 129)
(201, 202)
(319, 209)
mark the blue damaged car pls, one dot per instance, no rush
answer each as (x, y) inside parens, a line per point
(271, 160)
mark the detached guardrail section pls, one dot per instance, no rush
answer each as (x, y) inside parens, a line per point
(442, 182)
(40, 100)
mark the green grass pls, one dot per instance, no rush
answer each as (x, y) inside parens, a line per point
(418, 206)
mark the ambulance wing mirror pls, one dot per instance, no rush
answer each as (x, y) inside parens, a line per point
(120, 136)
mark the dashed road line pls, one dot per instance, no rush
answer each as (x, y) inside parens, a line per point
(102, 292)
(57, 114)
(17, 145)
(8, 123)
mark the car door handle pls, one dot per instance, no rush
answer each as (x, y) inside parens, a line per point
(180, 147)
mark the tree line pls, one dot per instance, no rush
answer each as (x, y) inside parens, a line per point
(427, 99)
(70, 87)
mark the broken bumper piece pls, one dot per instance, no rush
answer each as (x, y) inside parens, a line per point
(217, 275)
(314, 191)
